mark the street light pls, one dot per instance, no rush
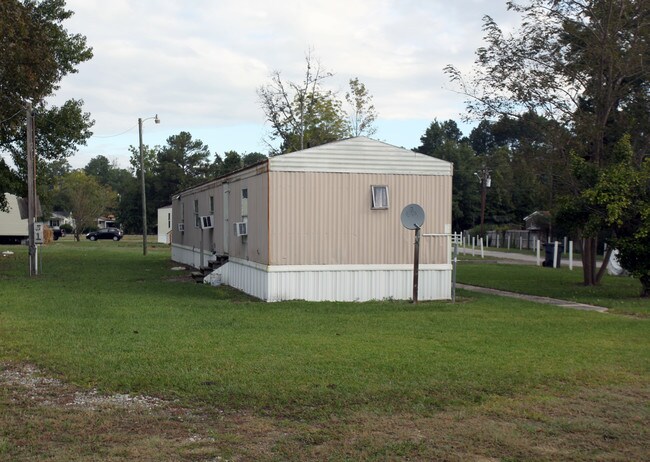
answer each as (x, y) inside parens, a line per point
(144, 194)
(486, 181)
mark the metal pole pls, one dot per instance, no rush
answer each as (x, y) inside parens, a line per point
(453, 272)
(31, 191)
(144, 194)
(416, 264)
(483, 200)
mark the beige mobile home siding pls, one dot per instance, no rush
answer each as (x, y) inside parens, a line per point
(191, 237)
(255, 246)
(326, 218)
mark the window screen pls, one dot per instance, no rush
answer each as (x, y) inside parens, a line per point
(379, 197)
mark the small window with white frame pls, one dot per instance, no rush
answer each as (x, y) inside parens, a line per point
(244, 202)
(379, 197)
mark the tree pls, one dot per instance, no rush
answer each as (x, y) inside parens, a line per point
(130, 206)
(443, 140)
(232, 162)
(619, 197)
(182, 163)
(86, 199)
(362, 114)
(302, 114)
(253, 158)
(580, 63)
(36, 52)
(108, 173)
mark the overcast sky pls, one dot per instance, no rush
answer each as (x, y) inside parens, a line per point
(198, 63)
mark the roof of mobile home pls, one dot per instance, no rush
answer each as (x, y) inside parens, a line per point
(352, 155)
(360, 155)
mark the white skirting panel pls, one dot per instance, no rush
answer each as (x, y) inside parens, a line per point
(337, 282)
(190, 256)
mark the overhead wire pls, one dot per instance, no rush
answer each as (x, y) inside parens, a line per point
(117, 134)
(9, 118)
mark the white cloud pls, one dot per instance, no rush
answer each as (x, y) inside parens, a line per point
(198, 63)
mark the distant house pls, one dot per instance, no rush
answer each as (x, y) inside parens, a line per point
(13, 224)
(322, 224)
(106, 222)
(538, 225)
(59, 218)
(165, 224)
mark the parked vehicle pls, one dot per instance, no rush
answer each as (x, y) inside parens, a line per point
(105, 233)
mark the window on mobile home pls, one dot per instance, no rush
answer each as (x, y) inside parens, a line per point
(244, 202)
(197, 219)
(379, 197)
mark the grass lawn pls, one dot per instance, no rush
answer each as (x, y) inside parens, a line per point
(485, 378)
(619, 294)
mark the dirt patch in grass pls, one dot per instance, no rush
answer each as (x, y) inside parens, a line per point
(42, 418)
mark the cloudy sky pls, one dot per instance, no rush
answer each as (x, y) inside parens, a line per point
(198, 63)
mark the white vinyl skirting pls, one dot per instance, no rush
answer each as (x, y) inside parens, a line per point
(328, 282)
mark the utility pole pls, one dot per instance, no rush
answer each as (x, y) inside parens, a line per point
(31, 190)
(144, 194)
(485, 183)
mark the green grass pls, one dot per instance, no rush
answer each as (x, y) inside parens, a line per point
(102, 315)
(487, 378)
(619, 294)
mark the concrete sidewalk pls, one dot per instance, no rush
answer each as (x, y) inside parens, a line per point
(534, 298)
(520, 257)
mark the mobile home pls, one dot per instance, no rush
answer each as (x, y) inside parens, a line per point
(13, 227)
(322, 224)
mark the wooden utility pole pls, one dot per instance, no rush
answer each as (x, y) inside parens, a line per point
(144, 194)
(31, 190)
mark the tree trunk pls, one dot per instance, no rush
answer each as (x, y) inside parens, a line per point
(645, 284)
(589, 249)
(587, 270)
(603, 266)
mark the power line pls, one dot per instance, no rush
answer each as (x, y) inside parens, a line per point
(113, 136)
(8, 119)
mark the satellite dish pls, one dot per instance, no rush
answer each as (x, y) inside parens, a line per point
(412, 216)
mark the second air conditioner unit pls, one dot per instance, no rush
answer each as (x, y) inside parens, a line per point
(241, 228)
(206, 222)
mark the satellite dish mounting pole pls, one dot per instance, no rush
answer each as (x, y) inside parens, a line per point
(416, 264)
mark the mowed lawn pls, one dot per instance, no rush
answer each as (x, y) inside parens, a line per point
(618, 293)
(486, 377)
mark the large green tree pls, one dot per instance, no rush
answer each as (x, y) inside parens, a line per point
(36, 52)
(583, 64)
(444, 141)
(86, 198)
(181, 163)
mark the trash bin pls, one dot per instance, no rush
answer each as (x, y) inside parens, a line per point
(550, 249)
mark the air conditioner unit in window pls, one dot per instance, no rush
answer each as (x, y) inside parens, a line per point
(181, 227)
(241, 228)
(206, 222)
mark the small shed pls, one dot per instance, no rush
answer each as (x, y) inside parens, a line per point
(165, 224)
(322, 224)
